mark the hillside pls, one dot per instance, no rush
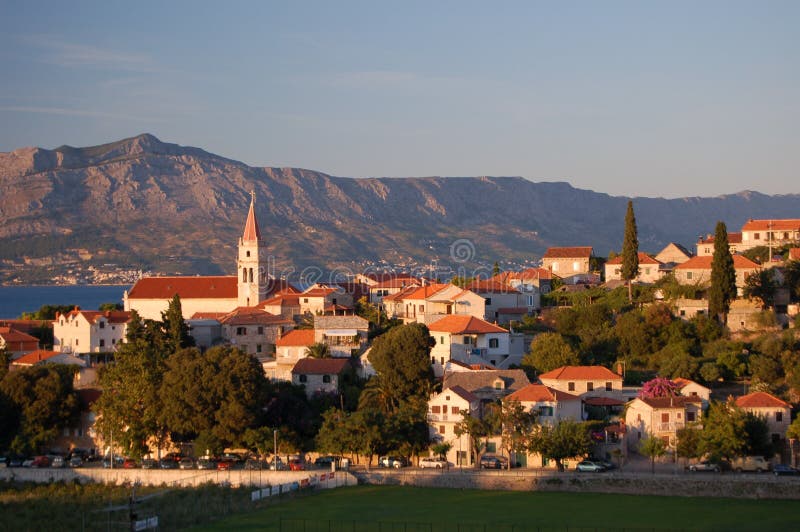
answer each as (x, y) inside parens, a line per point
(143, 203)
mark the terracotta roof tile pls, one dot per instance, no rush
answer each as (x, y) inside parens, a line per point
(9, 335)
(760, 400)
(568, 252)
(679, 401)
(35, 357)
(186, 287)
(529, 274)
(492, 287)
(644, 258)
(580, 373)
(703, 262)
(461, 324)
(790, 224)
(320, 366)
(535, 393)
(462, 393)
(733, 238)
(93, 316)
(252, 316)
(251, 231)
(296, 337)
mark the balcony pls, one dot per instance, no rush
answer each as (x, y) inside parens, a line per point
(439, 417)
(670, 427)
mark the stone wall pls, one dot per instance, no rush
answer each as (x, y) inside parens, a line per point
(749, 486)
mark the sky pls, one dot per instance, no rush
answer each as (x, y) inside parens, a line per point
(632, 98)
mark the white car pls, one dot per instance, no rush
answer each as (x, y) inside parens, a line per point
(430, 462)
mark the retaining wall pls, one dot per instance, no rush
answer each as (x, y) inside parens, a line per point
(746, 486)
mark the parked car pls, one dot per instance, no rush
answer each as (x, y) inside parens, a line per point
(129, 463)
(326, 461)
(15, 461)
(295, 464)
(28, 462)
(40, 461)
(149, 463)
(276, 464)
(750, 463)
(392, 461)
(82, 453)
(58, 461)
(429, 462)
(118, 460)
(173, 456)
(784, 470)
(166, 463)
(206, 463)
(588, 465)
(253, 464)
(187, 462)
(705, 465)
(489, 461)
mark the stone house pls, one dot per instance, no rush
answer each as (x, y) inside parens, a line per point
(697, 271)
(776, 412)
(426, 304)
(660, 417)
(320, 375)
(705, 245)
(289, 349)
(584, 381)
(765, 232)
(17, 343)
(689, 388)
(568, 261)
(489, 385)
(344, 335)
(90, 331)
(649, 269)
(501, 300)
(673, 253)
(253, 330)
(445, 411)
(468, 339)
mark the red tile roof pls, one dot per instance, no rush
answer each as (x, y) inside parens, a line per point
(10, 335)
(93, 316)
(207, 315)
(733, 238)
(186, 287)
(296, 337)
(319, 291)
(603, 401)
(791, 224)
(669, 402)
(492, 287)
(703, 262)
(760, 400)
(281, 299)
(568, 253)
(535, 393)
(399, 282)
(252, 316)
(460, 324)
(251, 231)
(424, 292)
(35, 357)
(320, 366)
(581, 373)
(681, 383)
(644, 258)
(529, 274)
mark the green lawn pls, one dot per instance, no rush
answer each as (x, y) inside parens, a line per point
(409, 509)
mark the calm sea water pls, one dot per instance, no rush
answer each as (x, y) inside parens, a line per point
(14, 300)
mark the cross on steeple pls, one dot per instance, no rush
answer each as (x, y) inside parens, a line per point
(252, 195)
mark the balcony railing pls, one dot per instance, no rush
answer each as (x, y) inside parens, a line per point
(438, 417)
(671, 426)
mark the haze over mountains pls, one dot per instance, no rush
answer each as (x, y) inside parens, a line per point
(145, 203)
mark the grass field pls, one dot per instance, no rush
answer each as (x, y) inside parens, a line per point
(438, 510)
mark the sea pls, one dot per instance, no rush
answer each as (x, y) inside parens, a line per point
(14, 300)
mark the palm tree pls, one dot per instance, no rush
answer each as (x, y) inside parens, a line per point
(318, 350)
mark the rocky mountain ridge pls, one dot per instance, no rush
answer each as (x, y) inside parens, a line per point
(141, 202)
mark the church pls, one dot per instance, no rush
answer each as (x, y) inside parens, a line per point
(150, 296)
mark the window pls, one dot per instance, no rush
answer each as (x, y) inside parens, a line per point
(422, 308)
(647, 271)
(436, 409)
(608, 386)
(571, 386)
(441, 429)
(467, 340)
(261, 330)
(102, 325)
(258, 348)
(446, 397)
(689, 417)
(494, 343)
(241, 331)
(113, 341)
(488, 301)
(555, 266)
(665, 417)
(756, 236)
(589, 386)
(433, 360)
(326, 379)
(546, 411)
(305, 300)
(247, 254)
(441, 340)
(576, 266)
(491, 447)
(303, 378)
(689, 276)
(693, 394)
(102, 343)
(454, 410)
(683, 313)
(778, 416)
(76, 341)
(333, 301)
(617, 271)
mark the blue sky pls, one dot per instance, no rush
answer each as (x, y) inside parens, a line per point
(629, 98)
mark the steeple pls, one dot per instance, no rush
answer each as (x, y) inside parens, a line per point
(251, 230)
(250, 271)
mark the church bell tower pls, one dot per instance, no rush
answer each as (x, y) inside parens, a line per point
(249, 267)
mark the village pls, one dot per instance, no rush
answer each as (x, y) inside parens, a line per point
(506, 368)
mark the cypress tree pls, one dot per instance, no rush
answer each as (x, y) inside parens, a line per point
(630, 251)
(723, 276)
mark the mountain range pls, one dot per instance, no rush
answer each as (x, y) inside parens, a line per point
(144, 203)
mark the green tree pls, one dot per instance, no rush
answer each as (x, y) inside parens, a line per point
(567, 439)
(129, 407)
(401, 358)
(495, 269)
(791, 278)
(110, 307)
(630, 251)
(761, 285)
(688, 444)
(793, 432)
(757, 436)
(318, 350)
(221, 391)
(723, 276)
(516, 424)
(476, 430)
(176, 329)
(652, 448)
(42, 402)
(723, 435)
(441, 449)
(550, 351)
(335, 436)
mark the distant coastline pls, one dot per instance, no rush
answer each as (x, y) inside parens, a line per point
(17, 299)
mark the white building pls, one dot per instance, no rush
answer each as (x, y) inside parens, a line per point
(89, 331)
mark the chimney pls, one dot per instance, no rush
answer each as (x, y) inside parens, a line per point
(619, 368)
